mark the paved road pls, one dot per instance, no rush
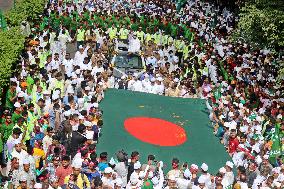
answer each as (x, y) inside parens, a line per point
(6, 4)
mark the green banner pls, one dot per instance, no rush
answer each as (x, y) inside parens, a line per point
(276, 150)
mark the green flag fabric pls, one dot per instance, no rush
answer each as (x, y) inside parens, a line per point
(217, 93)
(121, 107)
(276, 144)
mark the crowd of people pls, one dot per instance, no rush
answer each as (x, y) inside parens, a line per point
(52, 120)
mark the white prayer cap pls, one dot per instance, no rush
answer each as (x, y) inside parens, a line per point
(17, 142)
(26, 161)
(137, 165)
(77, 163)
(89, 136)
(277, 184)
(225, 102)
(201, 180)
(81, 117)
(87, 88)
(229, 164)
(20, 95)
(266, 157)
(160, 79)
(80, 47)
(152, 79)
(100, 83)
(87, 123)
(176, 80)
(17, 105)
(23, 178)
(108, 170)
(222, 170)
(187, 173)
(155, 180)
(204, 167)
(95, 105)
(46, 92)
(227, 124)
(38, 185)
(67, 113)
(172, 177)
(118, 182)
(78, 71)
(193, 166)
(276, 170)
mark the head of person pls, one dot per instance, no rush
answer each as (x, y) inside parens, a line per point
(175, 163)
(16, 133)
(26, 165)
(135, 156)
(23, 183)
(65, 161)
(103, 157)
(108, 172)
(56, 161)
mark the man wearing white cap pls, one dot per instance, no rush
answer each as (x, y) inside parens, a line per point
(229, 175)
(205, 176)
(38, 186)
(107, 178)
(135, 84)
(158, 183)
(134, 182)
(18, 152)
(80, 55)
(134, 45)
(137, 168)
(159, 87)
(77, 177)
(23, 183)
(172, 182)
(27, 173)
(184, 183)
(150, 88)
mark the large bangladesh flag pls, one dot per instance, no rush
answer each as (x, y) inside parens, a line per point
(166, 127)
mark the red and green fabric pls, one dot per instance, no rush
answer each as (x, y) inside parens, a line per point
(166, 127)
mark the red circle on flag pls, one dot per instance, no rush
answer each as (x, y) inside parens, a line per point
(155, 131)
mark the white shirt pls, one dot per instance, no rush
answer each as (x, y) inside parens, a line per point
(68, 64)
(79, 57)
(134, 45)
(135, 85)
(20, 155)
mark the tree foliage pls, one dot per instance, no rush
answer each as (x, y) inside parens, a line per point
(262, 23)
(24, 9)
(12, 40)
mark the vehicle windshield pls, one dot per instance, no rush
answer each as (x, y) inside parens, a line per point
(128, 61)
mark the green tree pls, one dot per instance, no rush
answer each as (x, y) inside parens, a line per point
(262, 23)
